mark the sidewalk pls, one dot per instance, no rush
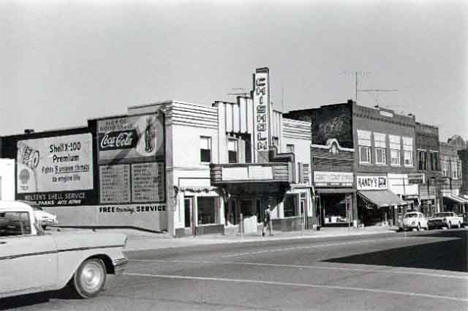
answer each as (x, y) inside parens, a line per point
(140, 240)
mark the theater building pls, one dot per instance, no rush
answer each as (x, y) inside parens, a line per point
(382, 144)
(173, 166)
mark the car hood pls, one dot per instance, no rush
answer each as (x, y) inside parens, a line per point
(78, 240)
(42, 214)
(436, 218)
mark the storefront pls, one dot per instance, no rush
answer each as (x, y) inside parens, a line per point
(454, 203)
(335, 195)
(376, 203)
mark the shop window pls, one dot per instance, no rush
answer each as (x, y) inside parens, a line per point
(445, 166)
(232, 151)
(246, 208)
(395, 150)
(380, 148)
(205, 149)
(364, 142)
(408, 151)
(206, 210)
(290, 205)
(290, 148)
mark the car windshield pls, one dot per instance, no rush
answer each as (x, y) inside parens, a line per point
(442, 214)
(14, 223)
(411, 215)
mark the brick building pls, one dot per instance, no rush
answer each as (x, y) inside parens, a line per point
(381, 144)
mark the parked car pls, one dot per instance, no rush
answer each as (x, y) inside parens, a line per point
(414, 220)
(445, 219)
(32, 260)
(45, 219)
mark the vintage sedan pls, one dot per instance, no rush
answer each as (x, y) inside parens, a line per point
(414, 220)
(445, 219)
(32, 260)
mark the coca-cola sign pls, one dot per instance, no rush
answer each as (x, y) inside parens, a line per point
(118, 140)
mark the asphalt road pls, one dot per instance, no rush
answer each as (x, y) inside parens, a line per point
(404, 271)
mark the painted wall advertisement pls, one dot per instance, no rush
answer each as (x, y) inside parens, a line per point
(261, 106)
(371, 182)
(55, 170)
(130, 159)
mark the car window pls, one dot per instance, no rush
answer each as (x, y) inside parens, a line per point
(411, 215)
(14, 223)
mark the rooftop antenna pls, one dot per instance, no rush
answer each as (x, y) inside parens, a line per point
(356, 75)
(374, 92)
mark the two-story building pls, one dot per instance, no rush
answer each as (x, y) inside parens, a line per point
(381, 144)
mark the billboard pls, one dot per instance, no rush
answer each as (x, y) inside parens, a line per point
(131, 159)
(61, 163)
(261, 113)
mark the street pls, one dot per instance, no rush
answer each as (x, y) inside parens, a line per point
(402, 271)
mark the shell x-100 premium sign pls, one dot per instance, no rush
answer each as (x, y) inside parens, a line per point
(61, 163)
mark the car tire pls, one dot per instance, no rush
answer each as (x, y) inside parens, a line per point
(90, 278)
(449, 225)
(459, 225)
(419, 227)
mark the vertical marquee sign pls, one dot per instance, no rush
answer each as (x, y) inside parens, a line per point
(261, 106)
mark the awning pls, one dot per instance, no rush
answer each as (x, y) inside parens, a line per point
(455, 198)
(381, 198)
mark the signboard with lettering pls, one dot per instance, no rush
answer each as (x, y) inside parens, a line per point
(261, 106)
(61, 163)
(333, 179)
(371, 182)
(131, 159)
(130, 137)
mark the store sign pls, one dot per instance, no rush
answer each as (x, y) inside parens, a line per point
(261, 101)
(51, 164)
(416, 178)
(130, 137)
(371, 182)
(333, 179)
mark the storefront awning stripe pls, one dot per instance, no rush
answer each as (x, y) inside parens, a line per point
(455, 198)
(382, 198)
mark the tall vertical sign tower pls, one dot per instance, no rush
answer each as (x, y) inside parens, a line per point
(261, 114)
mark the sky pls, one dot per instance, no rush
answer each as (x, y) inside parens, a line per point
(64, 62)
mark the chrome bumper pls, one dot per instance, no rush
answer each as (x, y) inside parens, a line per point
(119, 265)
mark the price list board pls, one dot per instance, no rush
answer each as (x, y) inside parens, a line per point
(115, 183)
(148, 182)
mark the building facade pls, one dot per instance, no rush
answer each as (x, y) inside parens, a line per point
(452, 179)
(173, 166)
(382, 146)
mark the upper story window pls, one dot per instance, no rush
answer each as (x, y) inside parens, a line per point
(434, 160)
(408, 151)
(455, 168)
(290, 148)
(205, 149)
(395, 150)
(422, 160)
(233, 150)
(364, 142)
(380, 148)
(445, 162)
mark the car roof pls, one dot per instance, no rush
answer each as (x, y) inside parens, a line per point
(14, 205)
